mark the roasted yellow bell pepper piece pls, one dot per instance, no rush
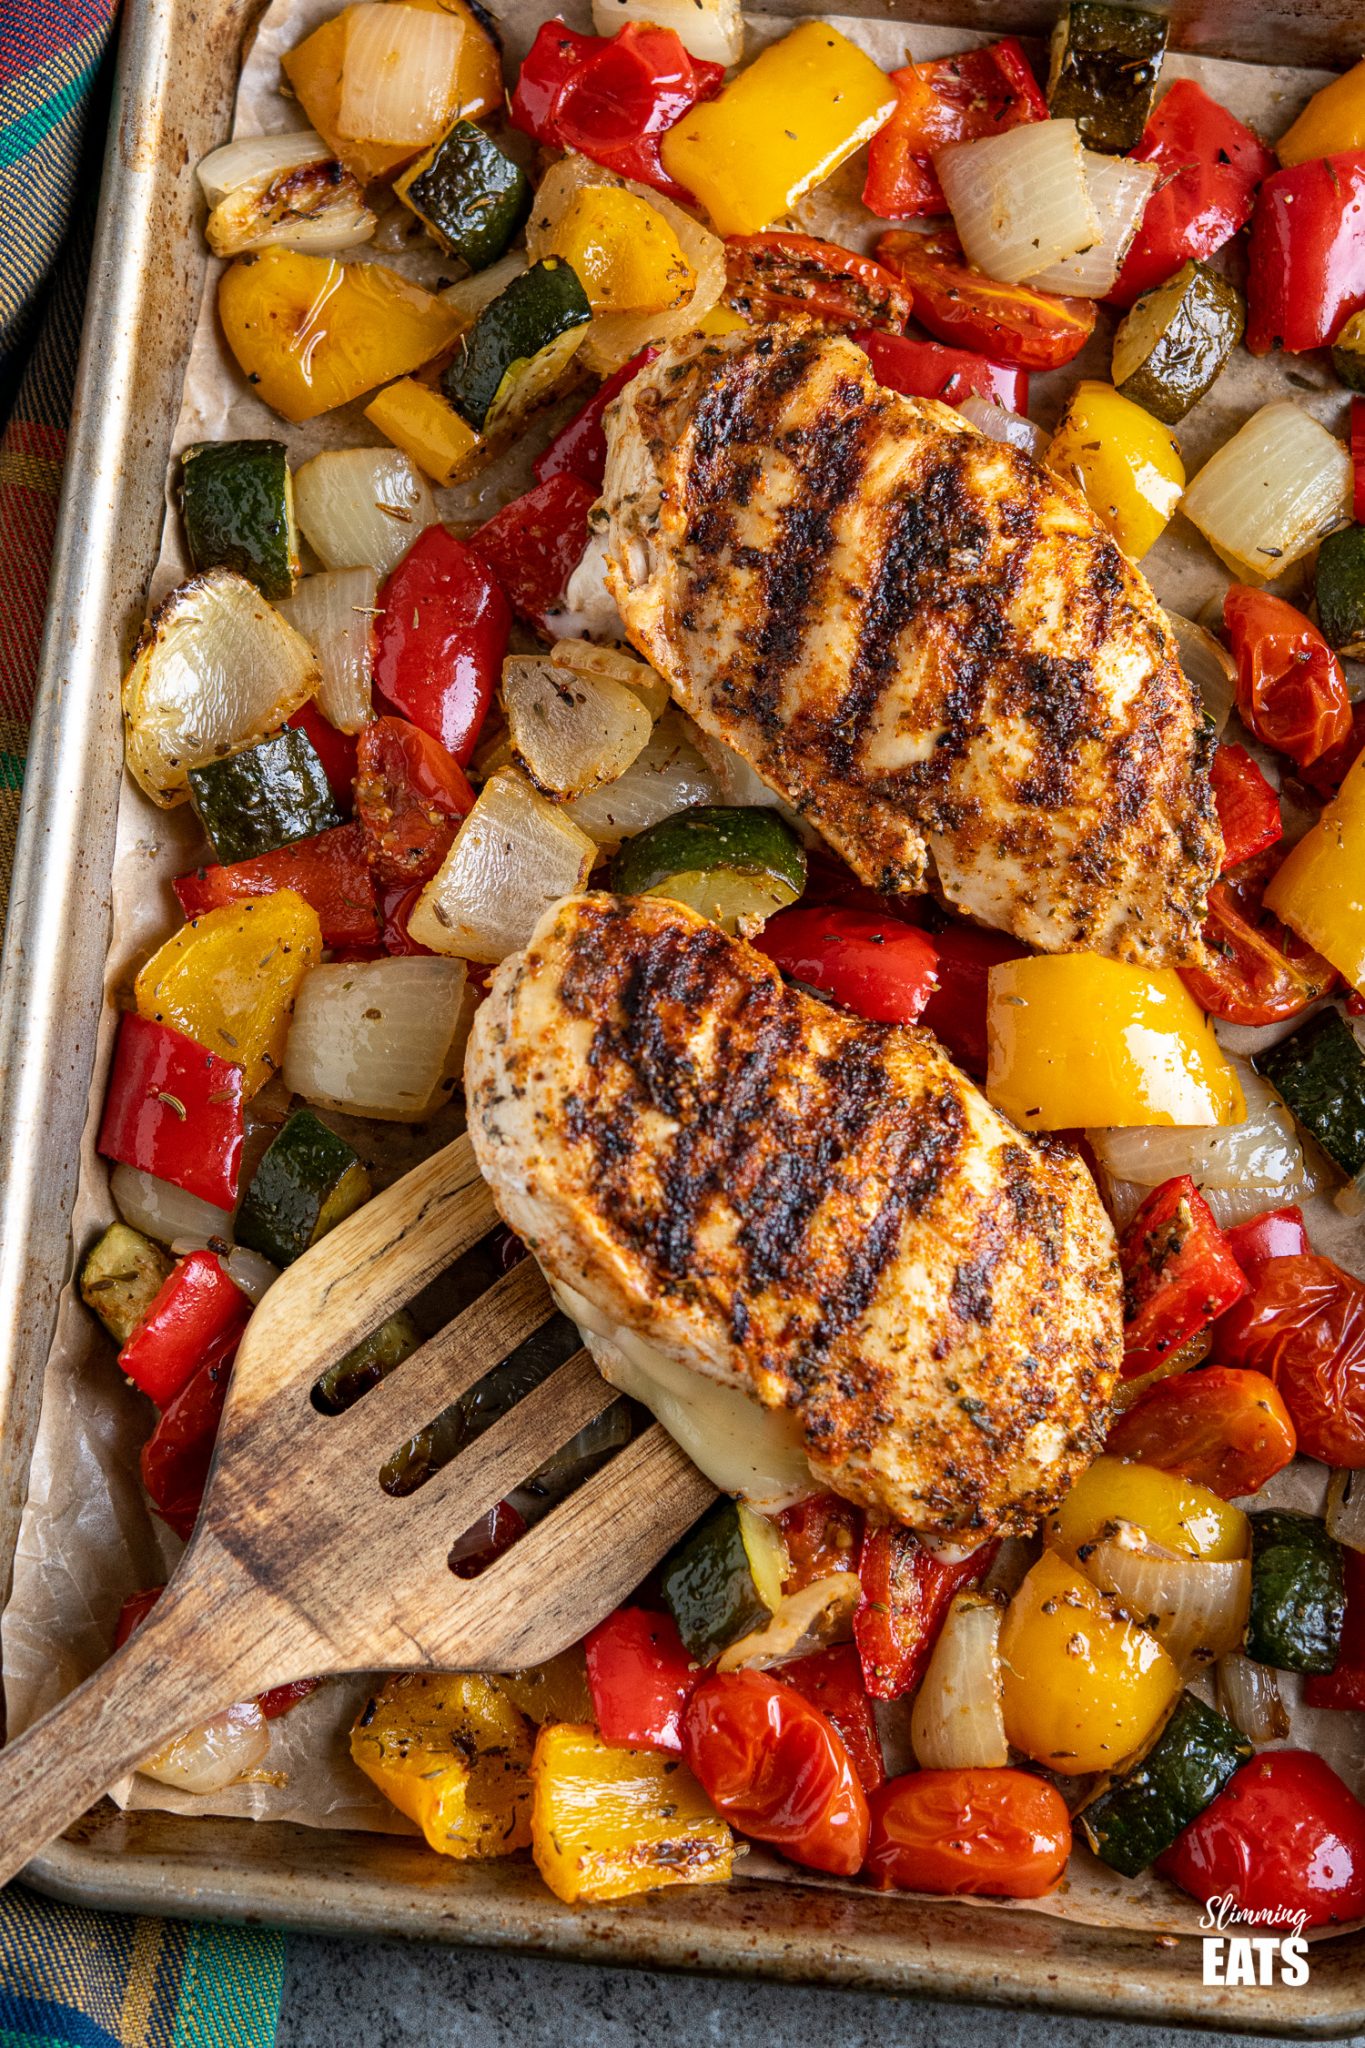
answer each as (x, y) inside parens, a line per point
(452, 1753)
(625, 255)
(311, 333)
(313, 68)
(1319, 887)
(1078, 1040)
(427, 428)
(555, 1691)
(1123, 462)
(608, 1822)
(722, 320)
(228, 979)
(1082, 1687)
(1333, 121)
(785, 124)
(1176, 1513)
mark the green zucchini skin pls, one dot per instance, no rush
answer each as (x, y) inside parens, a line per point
(264, 797)
(515, 344)
(308, 1180)
(746, 840)
(237, 501)
(372, 1360)
(1105, 64)
(1197, 334)
(121, 1278)
(1136, 1818)
(1348, 353)
(1298, 1593)
(471, 196)
(711, 1583)
(1320, 1071)
(1340, 590)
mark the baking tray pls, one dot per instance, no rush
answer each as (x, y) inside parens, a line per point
(176, 79)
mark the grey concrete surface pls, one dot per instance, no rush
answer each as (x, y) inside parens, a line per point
(388, 1995)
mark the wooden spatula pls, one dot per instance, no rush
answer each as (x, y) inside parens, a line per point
(303, 1565)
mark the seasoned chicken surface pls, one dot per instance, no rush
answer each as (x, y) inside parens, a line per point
(821, 1211)
(918, 637)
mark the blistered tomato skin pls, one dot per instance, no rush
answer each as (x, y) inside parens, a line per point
(990, 1834)
(1285, 1834)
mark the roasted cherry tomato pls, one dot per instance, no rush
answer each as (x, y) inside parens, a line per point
(440, 638)
(955, 99)
(875, 966)
(1010, 323)
(410, 795)
(640, 1677)
(832, 1680)
(823, 1536)
(134, 1612)
(395, 908)
(925, 369)
(1226, 1428)
(1258, 971)
(1344, 1685)
(1303, 1326)
(773, 276)
(1285, 1835)
(778, 1768)
(1248, 808)
(1329, 771)
(906, 1592)
(994, 1834)
(1291, 692)
(534, 544)
(1178, 1274)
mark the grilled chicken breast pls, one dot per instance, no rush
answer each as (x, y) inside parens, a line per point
(818, 1210)
(921, 639)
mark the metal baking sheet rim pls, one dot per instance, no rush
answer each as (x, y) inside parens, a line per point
(175, 79)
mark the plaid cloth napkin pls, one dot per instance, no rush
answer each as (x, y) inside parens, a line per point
(67, 1975)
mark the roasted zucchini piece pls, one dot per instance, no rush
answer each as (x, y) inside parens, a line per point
(371, 1361)
(518, 352)
(1298, 1598)
(237, 498)
(308, 1181)
(1136, 1817)
(725, 1578)
(730, 863)
(1340, 590)
(1173, 343)
(122, 1277)
(450, 1751)
(1348, 353)
(1105, 65)
(264, 797)
(468, 194)
(1320, 1071)
(608, 1822)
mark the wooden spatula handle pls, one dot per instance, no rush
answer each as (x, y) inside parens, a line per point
(201, 1647)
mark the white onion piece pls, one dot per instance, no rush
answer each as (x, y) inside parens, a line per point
(1119, 190)
(216, 1755)
(819, 1613)
(1346, 1509)
(667, 775)
(252, 159)
(398, 73)
(586, 658)
(471, 294)
(362, 507)
(317, 205)
(514, 855)
(250, 1271)
(1197, 1608)
(1020, 201)
(1249, 1694)
(335, 614)
(167, 1213)
(958, 1722)
(1278, 487)
(570, 732)
(997, 424)
(1208, 665)
(372, 1036)
(710, 29)
(1259, 1161)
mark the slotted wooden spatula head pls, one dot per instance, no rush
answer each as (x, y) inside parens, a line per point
(304, 1563)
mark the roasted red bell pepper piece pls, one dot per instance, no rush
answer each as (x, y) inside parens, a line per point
(174, 1109)
(335, 750)
(177, 1455)
(1306, 262)
(1008, 323)
(1178, 1274)
(1344, 1685)
(486, 1540)
(272, 1704)
(1284, 1838)
(329, 871)
(785, 276)
(1248, 807)
(1291, 692)
(534, 544)
(410, 795)
(440, 638)
(925, 369)
(1303, 1326)
(395, 908)
(832, 1680)
(906, 1592)
(134, 1612)
(1210, 167)
(580, 448)
(641, 1678)
(823, 1536)
(1358, 461)
(612, 98)
(875, 966)
(197, 1309)
(953, 99)
(956, 1011)
(1274, 1234)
